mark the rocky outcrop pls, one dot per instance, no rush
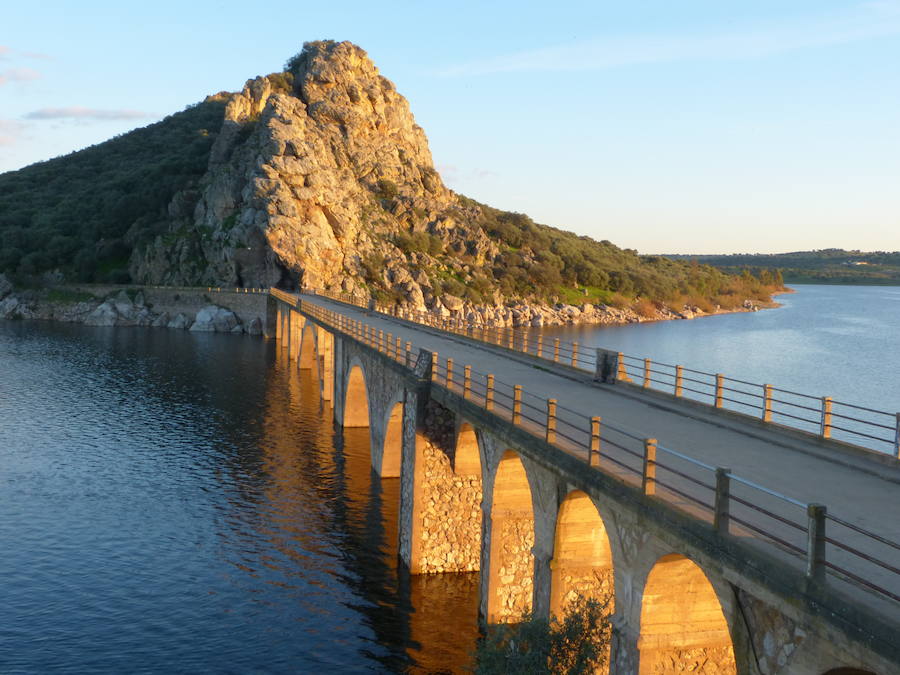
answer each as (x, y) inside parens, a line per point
(125, 309)
(305, 185)
(213, 319)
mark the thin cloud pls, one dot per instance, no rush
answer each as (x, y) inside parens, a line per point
(866, 21)
(5, 51)
(18, 75)
(10, 131)
(79, 113)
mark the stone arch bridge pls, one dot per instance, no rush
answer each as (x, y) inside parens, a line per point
(702, 573)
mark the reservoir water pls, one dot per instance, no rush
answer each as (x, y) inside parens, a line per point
(181, 502)
(838, 341)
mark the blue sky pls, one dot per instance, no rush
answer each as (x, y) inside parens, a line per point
(688, 126)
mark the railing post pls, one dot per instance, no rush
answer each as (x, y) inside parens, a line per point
(540, 347)
(723, 493)
(825, 426)
(720, 383)
(390, 343)
(408, 353)
(434, 366)
(679, 380)
(648, 482)
(594, 459)
(622, 374)
(398, 347)
(646, 383)
(380, 340)
(815, 547)
(512, 339)
(550, 435)
(525, 342)
(467, 381)
(517, 403)
(489, 393)
(449, 379)
(767, 403)
(574, 354)
(556, 350)
(897, 437)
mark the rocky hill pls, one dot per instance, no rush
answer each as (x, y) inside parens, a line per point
(319, 176)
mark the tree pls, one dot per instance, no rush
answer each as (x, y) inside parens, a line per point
(577, 644)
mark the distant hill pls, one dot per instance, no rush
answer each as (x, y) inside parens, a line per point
(318, 175)
(826, 266)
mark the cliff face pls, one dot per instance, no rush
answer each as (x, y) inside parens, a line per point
(309, 182)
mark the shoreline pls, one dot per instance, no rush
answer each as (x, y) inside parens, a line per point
(245, 310)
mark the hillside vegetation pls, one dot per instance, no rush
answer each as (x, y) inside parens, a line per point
(826, 266)
(82, 214)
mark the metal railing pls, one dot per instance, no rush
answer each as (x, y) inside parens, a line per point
(729, 503)
(819, 415)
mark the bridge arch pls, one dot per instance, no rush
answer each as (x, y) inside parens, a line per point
(511, 562)
(467, 458)
(308, 359)
(392, 445)
(682, 621)
(582, 556)
(356, 399)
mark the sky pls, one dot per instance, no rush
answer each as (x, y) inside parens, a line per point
(668, 127)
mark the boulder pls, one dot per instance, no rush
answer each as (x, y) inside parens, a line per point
(180, 322)
(254, 327)
(8, 307)
(161, 321)
(214, 319)
(105, 314)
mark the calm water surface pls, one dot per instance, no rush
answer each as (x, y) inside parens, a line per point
(839, 341)
(174, 502)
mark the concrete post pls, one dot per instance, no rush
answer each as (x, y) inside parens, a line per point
(897, 437)
(723, 491)
(540, 348)
(408, 353)
(517, 403)
(646, 383)
(815, 545)
(594, 455)
(767, 403)
(467, 381)
(448, 380)
(550, 435)
(720, 385)
(825, 425)
(679, 380)
(489, 394)
(574, 354)
(434, 366)
(556, 350)
(648, 482)
(621, 372)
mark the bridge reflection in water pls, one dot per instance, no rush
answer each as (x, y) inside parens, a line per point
(691, 587)
(427, 623)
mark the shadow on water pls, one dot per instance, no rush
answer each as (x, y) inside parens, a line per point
(184, 502)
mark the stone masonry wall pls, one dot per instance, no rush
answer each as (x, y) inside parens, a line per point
(451, 516)
(698, 661)
(516, 566)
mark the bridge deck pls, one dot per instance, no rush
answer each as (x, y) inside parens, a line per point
(854, 488)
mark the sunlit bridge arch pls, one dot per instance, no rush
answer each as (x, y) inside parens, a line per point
(356, 400)
(682, 622)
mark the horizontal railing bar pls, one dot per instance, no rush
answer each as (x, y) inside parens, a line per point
(864, 556)
(766, 512)
(757, 486)
(769, 535)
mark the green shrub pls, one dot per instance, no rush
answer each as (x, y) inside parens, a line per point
(579, 643)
